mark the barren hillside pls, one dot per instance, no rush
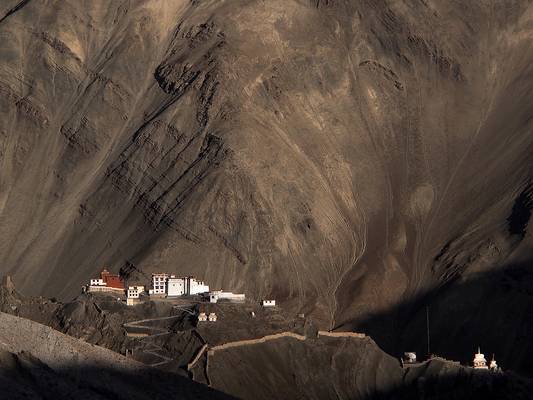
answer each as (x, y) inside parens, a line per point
(344, 157)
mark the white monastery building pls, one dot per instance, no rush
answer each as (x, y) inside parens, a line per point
(134, 291)
(176, 286)
(159, 284)
(170, 285)
(132, 294)
(195, 287)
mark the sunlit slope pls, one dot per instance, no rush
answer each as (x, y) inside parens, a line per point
(328, 152)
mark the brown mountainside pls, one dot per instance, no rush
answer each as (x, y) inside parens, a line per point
(341, 156)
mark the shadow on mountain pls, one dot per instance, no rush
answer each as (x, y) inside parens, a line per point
(349, 368)
(23, 376)
(441, 379)
(493, 310)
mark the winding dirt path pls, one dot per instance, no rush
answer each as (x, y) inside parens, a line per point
(140, 324)
(154, 349)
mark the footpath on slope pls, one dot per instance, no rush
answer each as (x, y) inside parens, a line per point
(151, 332)
(141, 325)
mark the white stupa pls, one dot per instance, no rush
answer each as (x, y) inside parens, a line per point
(493, 366)
(479, 360)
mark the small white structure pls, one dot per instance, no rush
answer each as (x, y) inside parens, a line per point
(159, 284)
(202, 317)
(269, 303)
(217, 295)
(134, 291)
(493, 366)
(98, 282)
(479, 360)
(132, 294)
(409, 357)
(176, 286)
(212, 317)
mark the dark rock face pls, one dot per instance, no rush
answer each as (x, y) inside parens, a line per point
(292, 369)
(340, 156)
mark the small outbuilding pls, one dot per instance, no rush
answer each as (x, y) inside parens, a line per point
(132, 294)
(409, 357)
(269, 303)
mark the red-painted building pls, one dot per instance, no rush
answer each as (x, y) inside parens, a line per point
(111, 280)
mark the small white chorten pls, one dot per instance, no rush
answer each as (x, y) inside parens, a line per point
(479, 360)
(493, 366)
(202, 317)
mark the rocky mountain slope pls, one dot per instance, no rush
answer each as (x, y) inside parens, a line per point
(351, 159)
(37, 362)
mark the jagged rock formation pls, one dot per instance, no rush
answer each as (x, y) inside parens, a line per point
(37, 309)
(340, 156)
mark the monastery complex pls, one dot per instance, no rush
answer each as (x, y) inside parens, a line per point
(169, 286)
(164, 285)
